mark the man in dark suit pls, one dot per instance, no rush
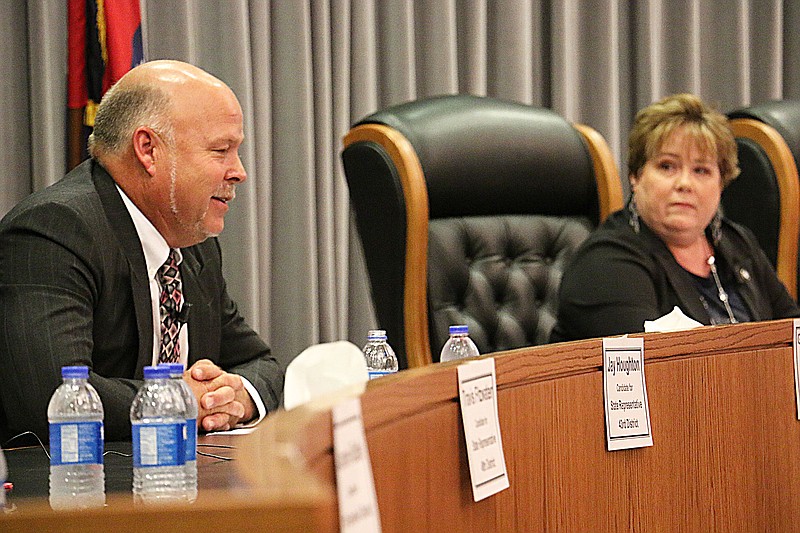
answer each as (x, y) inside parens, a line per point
(79, 261)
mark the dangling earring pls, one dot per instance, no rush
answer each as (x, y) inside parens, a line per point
(633, 213)
(716, 228)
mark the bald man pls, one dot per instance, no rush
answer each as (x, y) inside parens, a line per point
(79, 261)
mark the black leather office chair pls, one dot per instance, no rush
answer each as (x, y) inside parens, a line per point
(766, 195)
(468, 209)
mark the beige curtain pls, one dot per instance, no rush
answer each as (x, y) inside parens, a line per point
(304, 70)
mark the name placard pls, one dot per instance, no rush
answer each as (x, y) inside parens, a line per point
(625, 393)
(796, 347)
(478, 395)
(358, 503)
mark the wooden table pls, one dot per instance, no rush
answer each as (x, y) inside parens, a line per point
(226, 500)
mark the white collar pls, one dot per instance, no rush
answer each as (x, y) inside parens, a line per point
(154, 246)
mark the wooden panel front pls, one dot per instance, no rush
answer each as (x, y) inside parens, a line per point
(725, 434)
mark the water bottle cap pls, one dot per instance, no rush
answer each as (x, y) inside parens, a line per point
(175, 369)
(376, 334)
(156, 372)
(459, 329)
(75, 372)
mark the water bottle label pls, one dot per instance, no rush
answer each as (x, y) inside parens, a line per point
(74, 443)
(191, 439)
(378, 373)
(159, 444)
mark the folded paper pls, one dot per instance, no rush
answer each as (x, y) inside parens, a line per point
(323, 369)
(675, 320)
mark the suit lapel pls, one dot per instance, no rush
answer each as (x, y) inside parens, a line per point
(742, 268)
(199, 315)
(128, 238)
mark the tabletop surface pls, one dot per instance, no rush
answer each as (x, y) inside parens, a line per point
(29, 468)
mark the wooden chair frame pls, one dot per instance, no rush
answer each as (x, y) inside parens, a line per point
(782, 160)
(404, 157)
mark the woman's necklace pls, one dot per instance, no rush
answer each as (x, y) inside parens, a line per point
(723, 296)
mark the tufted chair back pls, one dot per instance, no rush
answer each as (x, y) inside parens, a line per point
(765, 197)
(468, 209)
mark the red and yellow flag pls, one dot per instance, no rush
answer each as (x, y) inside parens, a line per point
(104, 42)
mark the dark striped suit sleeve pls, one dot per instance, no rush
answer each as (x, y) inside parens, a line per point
(50, 279)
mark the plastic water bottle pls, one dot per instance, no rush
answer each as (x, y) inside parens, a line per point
(190, 468)
(75, 414)
(380, 357)
(158, 422)
(459, 345)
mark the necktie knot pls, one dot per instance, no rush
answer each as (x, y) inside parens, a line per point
(168, 272)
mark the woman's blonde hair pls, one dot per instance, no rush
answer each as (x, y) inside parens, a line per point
(706, 126)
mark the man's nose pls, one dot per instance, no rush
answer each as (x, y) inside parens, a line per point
(237, 173)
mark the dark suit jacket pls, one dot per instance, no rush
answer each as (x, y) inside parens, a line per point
(74, 290)
(618, 279)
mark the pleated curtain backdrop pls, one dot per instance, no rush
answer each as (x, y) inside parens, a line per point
(304, 70)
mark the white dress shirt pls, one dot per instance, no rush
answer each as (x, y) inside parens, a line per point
(156, 251)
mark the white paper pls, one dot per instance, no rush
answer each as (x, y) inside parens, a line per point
(478, 394)
(625, 394)
(358, 502)
(245, 430)
(796, 346)
(675, 320)
(324, 369)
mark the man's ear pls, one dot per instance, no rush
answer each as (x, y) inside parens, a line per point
(146, 144)
(633, 179)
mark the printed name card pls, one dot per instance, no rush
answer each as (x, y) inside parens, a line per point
(358, 503)
(627, 412)
(796, 346)
(478, 394)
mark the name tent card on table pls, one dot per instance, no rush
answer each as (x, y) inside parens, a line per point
(478, 396)
(625, 393)
(796, 349)
(355, 487)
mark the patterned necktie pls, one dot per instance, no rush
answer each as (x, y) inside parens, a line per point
(170, 305)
